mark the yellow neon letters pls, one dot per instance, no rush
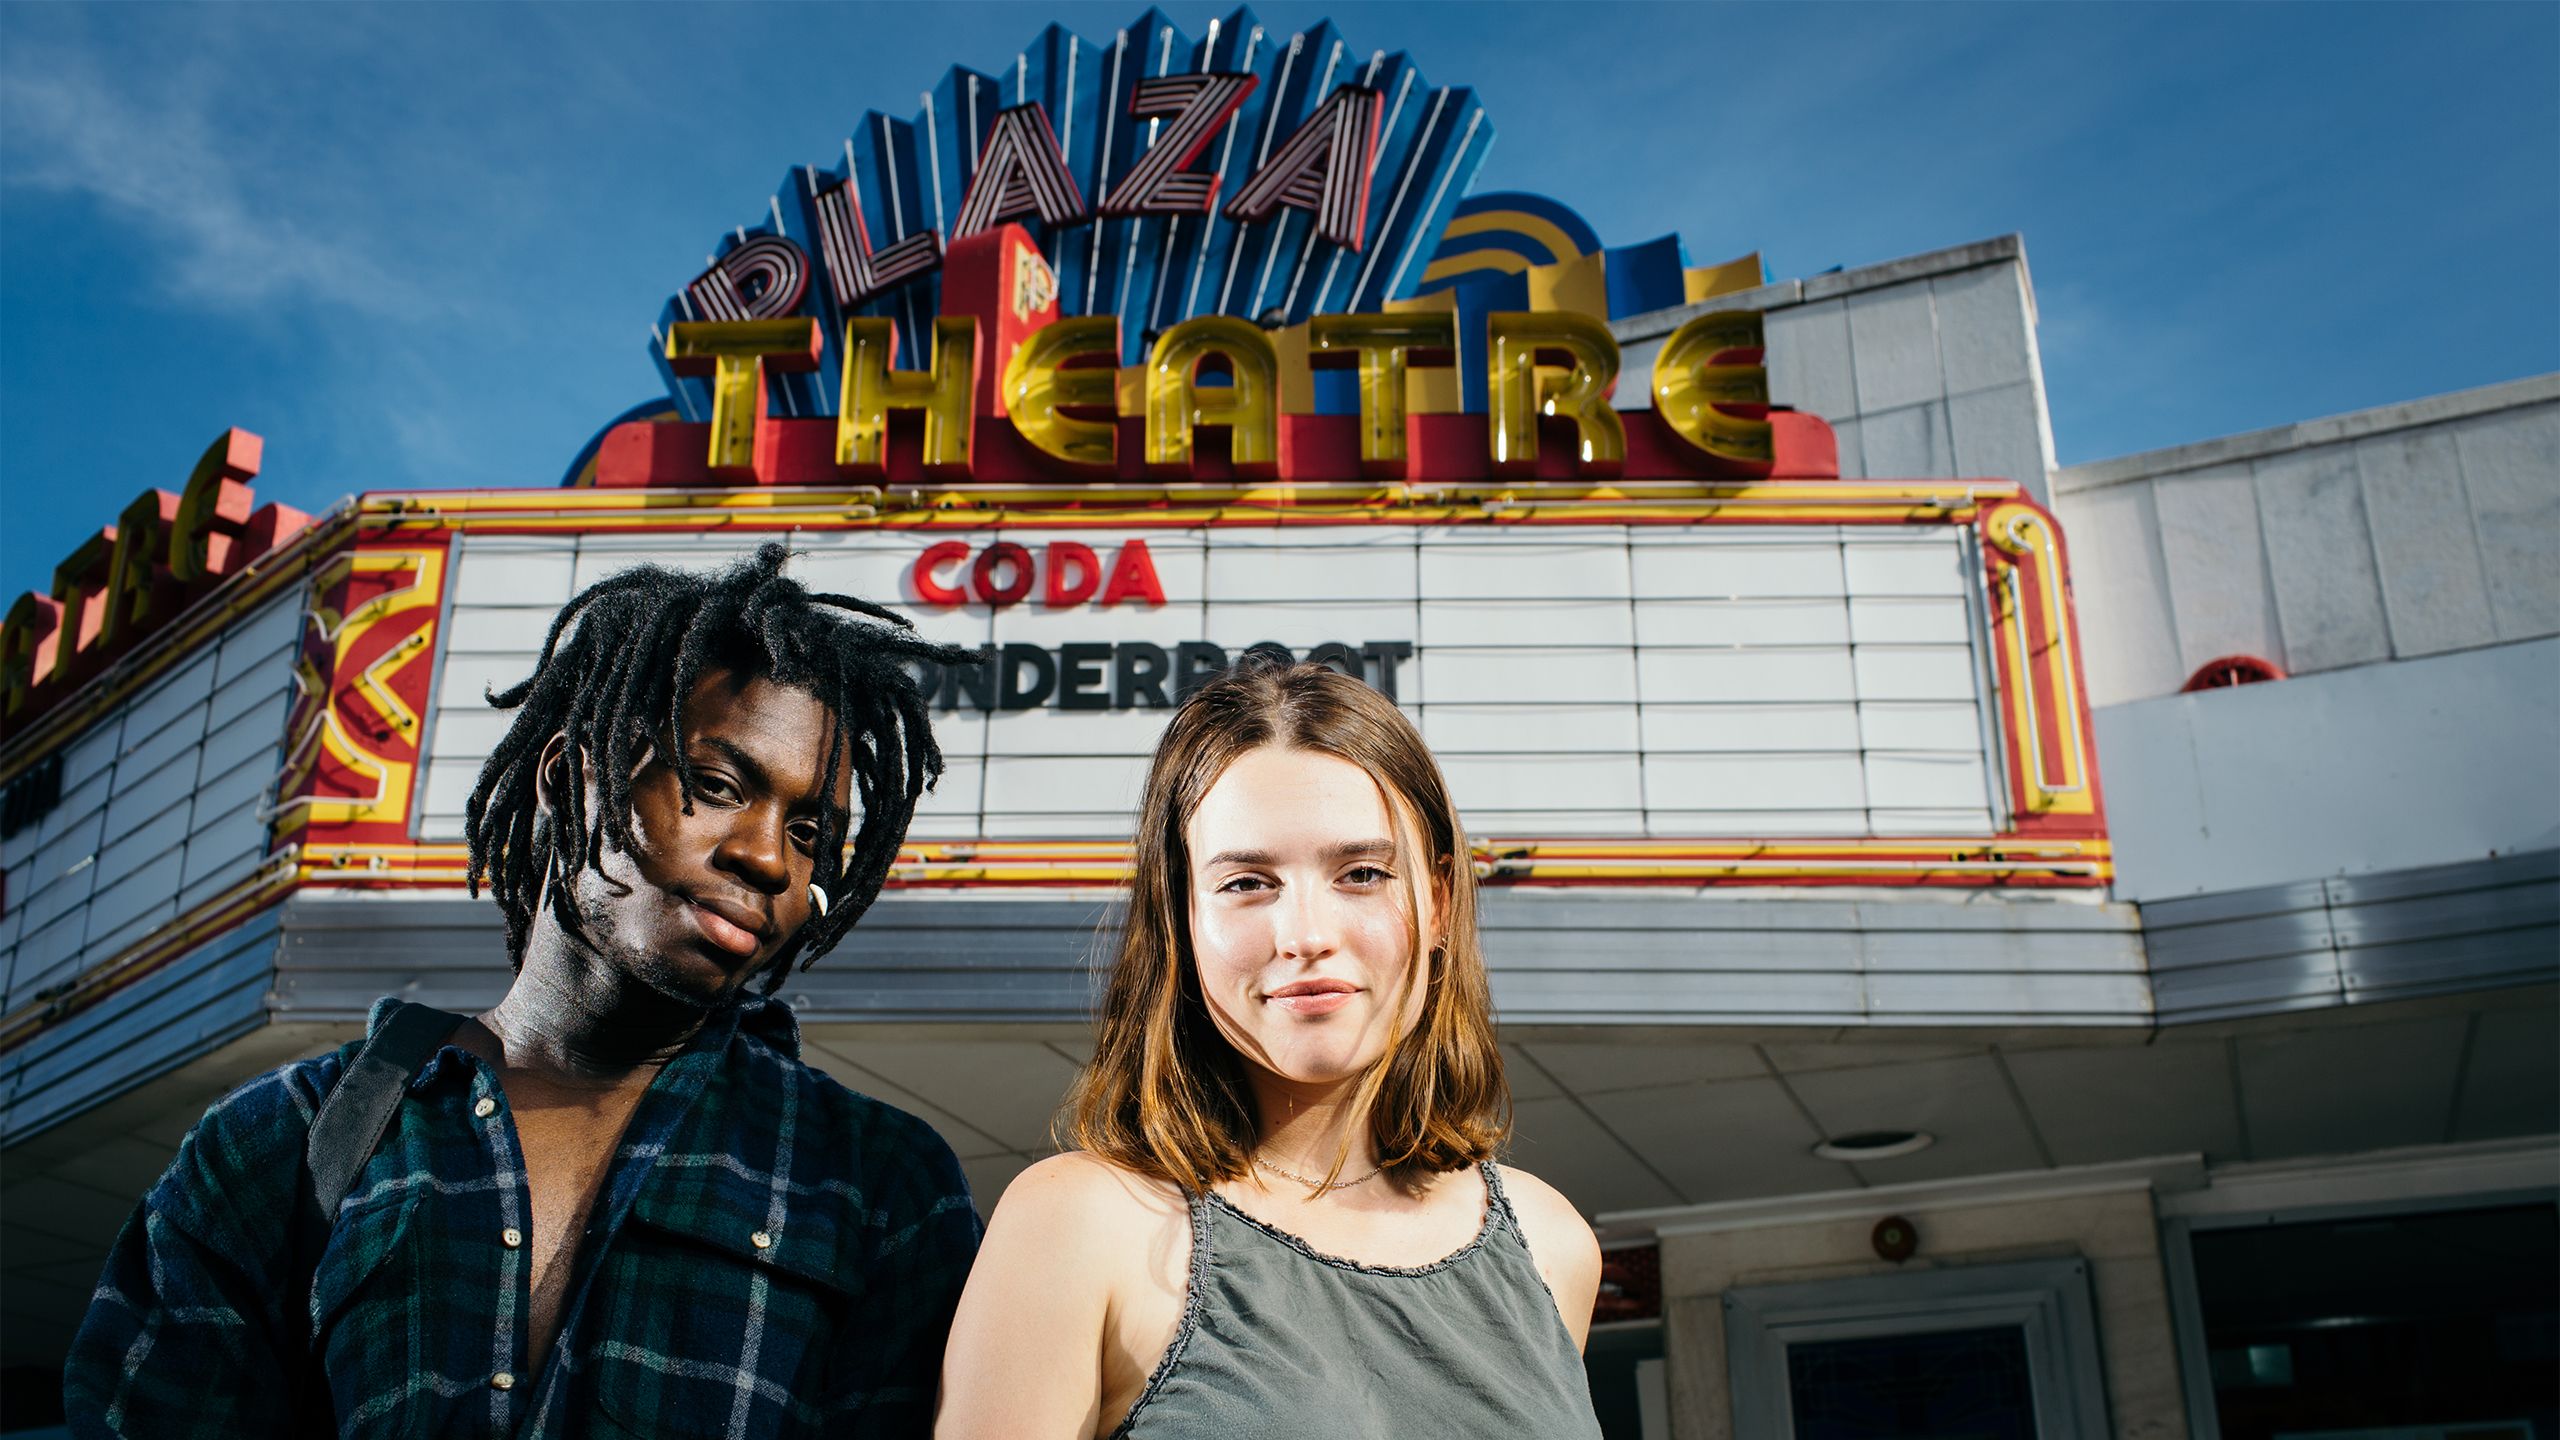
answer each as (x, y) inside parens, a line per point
(27, 641)
(135, 578)
(1385, 345)
(734, 353)
(1707, 364)
(1038, 386)
(205, 540)
(1517, 393)
(945, 391)
(1249, 406)
(78, 584)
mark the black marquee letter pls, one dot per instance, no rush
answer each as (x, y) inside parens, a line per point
(1388, 654)
(1195, 663)
(1138, 676)
(974, 680)
(1011, 695)
(1080, 679)
(1339, 657)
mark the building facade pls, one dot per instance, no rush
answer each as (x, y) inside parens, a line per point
(1996, 948)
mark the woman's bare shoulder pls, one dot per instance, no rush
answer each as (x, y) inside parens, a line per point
(1078, 1191)
(1560, 1237)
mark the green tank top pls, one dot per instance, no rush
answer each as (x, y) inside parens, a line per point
(1279, 1340)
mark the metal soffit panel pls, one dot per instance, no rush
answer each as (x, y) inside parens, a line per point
(1641, 958)
(2356, 939)
(1635, 958)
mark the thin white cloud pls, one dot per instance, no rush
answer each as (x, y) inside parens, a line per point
(152, 152)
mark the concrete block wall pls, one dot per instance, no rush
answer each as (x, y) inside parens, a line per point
(1927, 367)
(2390, 534)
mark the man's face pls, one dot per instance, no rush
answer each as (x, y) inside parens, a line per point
(714, 894)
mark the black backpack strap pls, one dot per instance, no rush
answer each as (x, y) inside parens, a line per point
(357, 1112)
(345, 1131)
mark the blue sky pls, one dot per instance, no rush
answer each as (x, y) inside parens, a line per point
(420, 246)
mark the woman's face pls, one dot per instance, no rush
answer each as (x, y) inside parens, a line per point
(1299, 919)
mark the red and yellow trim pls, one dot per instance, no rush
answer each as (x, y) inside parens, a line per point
(2051, 771)
(1184, 506)
(1040, 864)
(368, 651)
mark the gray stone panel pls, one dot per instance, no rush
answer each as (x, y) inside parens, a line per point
(2219, 594)
(1908, 444)
(1809, 359)
(2511, 468)
(1893, 343)
(1997, 250)
(2533, 394)
(1635, 374)
(2422, 541)
(2325, 775)
(2129, 649)
(1853, 454)
(1996, 435)
(2320, 553)
(1983, 328)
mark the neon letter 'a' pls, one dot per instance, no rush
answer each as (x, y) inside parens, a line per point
(1020, 172)
(1323, 169)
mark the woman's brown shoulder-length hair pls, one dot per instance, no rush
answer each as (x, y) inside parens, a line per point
(1165, 1094)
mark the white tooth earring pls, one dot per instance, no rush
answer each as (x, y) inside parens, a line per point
(818, 897)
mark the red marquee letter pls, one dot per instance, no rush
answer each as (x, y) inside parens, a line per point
(1133, 575)
(982, 576)
(929, 586)
(1062, 554)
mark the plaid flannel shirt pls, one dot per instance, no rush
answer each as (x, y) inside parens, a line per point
(770, 1255)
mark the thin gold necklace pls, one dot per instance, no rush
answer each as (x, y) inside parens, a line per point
(1317, 1186)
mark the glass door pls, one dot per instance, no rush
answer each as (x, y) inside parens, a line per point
(1981, 1352)
(1932, 1385)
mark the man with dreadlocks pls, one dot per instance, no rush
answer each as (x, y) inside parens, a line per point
(616, 1203)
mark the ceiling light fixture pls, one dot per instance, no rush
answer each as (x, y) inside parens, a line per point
(1875, 1145)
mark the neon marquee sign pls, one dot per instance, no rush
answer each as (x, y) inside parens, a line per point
(1086, 262)
(1160, 177)
(131, 579)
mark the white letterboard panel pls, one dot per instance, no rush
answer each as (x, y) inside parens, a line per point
(1576, 680)
(160, 808)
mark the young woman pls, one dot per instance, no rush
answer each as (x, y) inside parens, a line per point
(1283, 1217)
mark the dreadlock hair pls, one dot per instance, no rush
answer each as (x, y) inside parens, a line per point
(620, 662)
